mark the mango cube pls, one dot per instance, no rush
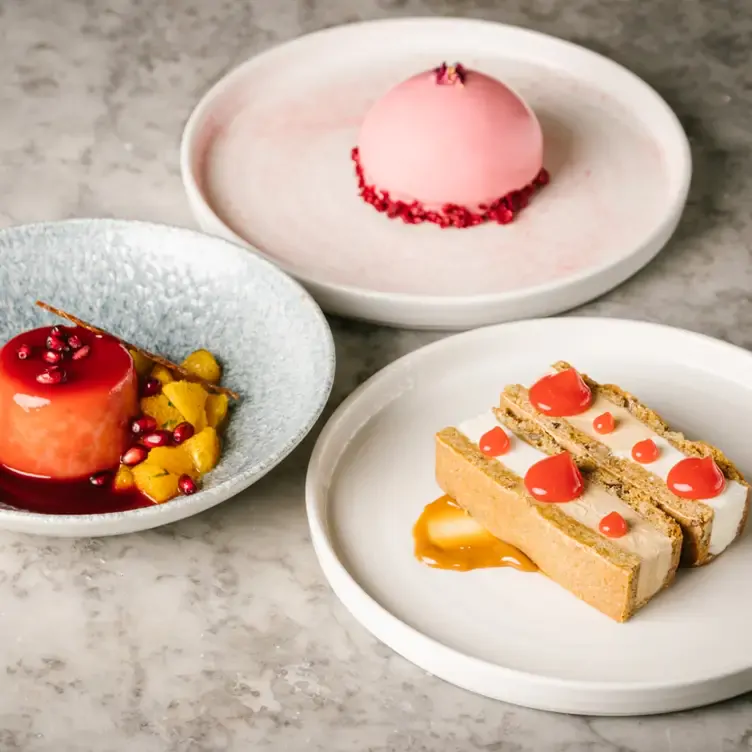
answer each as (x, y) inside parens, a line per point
(217, 406)
(173, 459)
(203, 449)
(156, 482)
(161, 374)
(162, 410)
(189, 399)
(204, 365)
(141, 363)
(124, 480)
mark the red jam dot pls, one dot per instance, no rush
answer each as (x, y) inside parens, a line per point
(696, 478)
(561, 394)
(494, 443)
(604, 423)
(613, 525)
(645, 452)
(555, 479)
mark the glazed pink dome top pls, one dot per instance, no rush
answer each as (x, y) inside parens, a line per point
(468, 141)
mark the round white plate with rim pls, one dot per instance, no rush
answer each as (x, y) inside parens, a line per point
(265, 160)
(507, 635)
(172, 291)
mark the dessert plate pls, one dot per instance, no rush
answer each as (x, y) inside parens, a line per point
(505, 634)
(265, 160)
(170, 291)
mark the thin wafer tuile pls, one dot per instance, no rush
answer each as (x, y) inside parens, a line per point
(186, 374)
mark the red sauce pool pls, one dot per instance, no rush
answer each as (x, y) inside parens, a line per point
(47, 496)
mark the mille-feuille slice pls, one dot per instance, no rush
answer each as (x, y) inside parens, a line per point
(608, 545)
(692, 481)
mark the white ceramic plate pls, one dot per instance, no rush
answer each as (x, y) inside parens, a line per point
(171, 291)
(266, 160)
(503, 634)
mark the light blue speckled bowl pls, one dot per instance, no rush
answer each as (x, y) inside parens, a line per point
(171, 291)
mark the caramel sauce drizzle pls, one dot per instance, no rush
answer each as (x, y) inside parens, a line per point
(156, 358)
(446, 537)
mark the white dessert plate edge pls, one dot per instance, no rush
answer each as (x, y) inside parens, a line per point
(463, 311)
(534, 689)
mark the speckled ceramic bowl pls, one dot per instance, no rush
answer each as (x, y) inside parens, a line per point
(172, 290)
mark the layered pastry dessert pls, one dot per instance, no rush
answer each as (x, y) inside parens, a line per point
(450, 146)
(91, 424)
(603, 425)
(585, 483)
(604, 541)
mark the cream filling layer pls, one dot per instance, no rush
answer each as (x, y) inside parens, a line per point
(728, 507)
(645, 541)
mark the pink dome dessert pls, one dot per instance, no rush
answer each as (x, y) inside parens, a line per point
(450, 146)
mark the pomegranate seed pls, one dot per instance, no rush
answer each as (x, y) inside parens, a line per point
(152, 387)
(147, 424)
(187, 485)
(157, 438)
(58, 331)
(100, 479)
(135, 455)
(56, 343)
(23, 352)
(52, 375)
(52, 356)
(81, 353)
(74, 342)
(182, 432)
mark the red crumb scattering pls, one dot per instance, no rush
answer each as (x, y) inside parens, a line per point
(502, 211)
(450, 74)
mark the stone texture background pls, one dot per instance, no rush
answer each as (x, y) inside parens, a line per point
(219, 633)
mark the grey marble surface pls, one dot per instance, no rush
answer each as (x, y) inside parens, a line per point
(219, 633)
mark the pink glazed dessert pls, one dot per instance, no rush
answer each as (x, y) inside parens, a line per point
(450, 146)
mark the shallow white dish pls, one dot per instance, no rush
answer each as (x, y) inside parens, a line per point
(172, 290)
(265, 160)
(503, 634)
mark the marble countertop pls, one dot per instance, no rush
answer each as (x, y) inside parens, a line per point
(220, 633)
